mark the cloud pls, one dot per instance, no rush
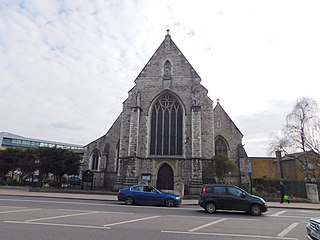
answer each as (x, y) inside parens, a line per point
(66, 65)
(67, 125)
(259, 127)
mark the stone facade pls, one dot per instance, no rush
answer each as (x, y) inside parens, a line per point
(166, 130)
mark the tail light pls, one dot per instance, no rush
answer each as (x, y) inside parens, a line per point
(204, 189)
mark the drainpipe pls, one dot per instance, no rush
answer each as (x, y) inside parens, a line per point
(279, 165)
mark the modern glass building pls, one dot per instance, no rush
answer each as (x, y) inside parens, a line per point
(12, 140)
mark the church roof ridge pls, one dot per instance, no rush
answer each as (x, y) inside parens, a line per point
(219, 105)
(167, 38)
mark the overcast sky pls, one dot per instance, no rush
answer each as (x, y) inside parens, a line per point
(67, 66)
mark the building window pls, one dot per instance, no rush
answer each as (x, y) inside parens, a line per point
(95, 159)
(7, 142)
(166, 126)
(221, 146)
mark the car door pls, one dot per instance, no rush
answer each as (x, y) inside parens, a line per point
(219, 196)
(237, 199)
(157, 196)
(151, 195)
(138, 194)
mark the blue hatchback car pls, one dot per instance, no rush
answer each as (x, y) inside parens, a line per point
(144, 194)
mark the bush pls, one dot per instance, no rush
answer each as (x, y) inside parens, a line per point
(54, 184)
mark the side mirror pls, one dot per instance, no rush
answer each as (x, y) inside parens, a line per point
(243, 195)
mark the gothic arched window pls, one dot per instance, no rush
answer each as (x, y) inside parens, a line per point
(95, 159)
(221, 146)
(166, 126)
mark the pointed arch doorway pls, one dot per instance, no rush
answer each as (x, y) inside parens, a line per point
(165, 177)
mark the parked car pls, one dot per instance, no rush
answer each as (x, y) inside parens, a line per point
(229, 197)
(74, 180)
(313, 229)
(32, 181)
(144, 194)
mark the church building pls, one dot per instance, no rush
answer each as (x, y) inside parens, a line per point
(167, 132)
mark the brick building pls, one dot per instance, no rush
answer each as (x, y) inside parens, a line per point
(167, 130)
(295, 166)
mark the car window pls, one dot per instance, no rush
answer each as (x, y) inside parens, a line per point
(152, 189)
(149, 189)
(234, 191)
(220, 190)
(137, 188)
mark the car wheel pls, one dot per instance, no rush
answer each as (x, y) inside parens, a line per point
(255, 210)
(169, 202)
(129, 200)
(211, 207)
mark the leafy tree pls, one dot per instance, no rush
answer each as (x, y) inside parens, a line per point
(27, 162)
(301, 134)
(220, 166)
(46, 160)
(8, 160)
(72, 163)
(9, 163)
(58, 162)
(224, 166)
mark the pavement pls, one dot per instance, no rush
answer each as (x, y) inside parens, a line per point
(26, 192)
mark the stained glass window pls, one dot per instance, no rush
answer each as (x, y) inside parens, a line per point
(166, 126)
(221, 145)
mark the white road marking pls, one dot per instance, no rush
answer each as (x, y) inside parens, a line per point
(230, 235)
(131, 221)
(11, 207)
(278, 213)
(58, 224)
(206, 225)
(62, 202)
(92, 204)
(242, 219)
(77, 210)
(185, 216)
(61, 216)
(308, 211)
(288, 229)
(21, 210)
(290, 216)
(73, 210)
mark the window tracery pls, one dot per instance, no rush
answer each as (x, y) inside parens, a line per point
(221, 146)
(166, 126)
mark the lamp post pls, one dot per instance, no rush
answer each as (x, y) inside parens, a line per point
(250, 178)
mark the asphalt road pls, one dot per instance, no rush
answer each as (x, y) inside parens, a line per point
(51, 219)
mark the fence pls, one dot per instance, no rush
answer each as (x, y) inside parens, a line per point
(293, 188)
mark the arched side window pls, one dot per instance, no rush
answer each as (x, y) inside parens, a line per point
(221, 146)
(95, 160)
(166, 126)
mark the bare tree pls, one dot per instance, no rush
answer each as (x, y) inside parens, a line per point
(301, 134)
(301, 122)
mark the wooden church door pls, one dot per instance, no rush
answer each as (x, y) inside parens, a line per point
(165, 177)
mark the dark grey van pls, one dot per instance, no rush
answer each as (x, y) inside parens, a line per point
(229, 197)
